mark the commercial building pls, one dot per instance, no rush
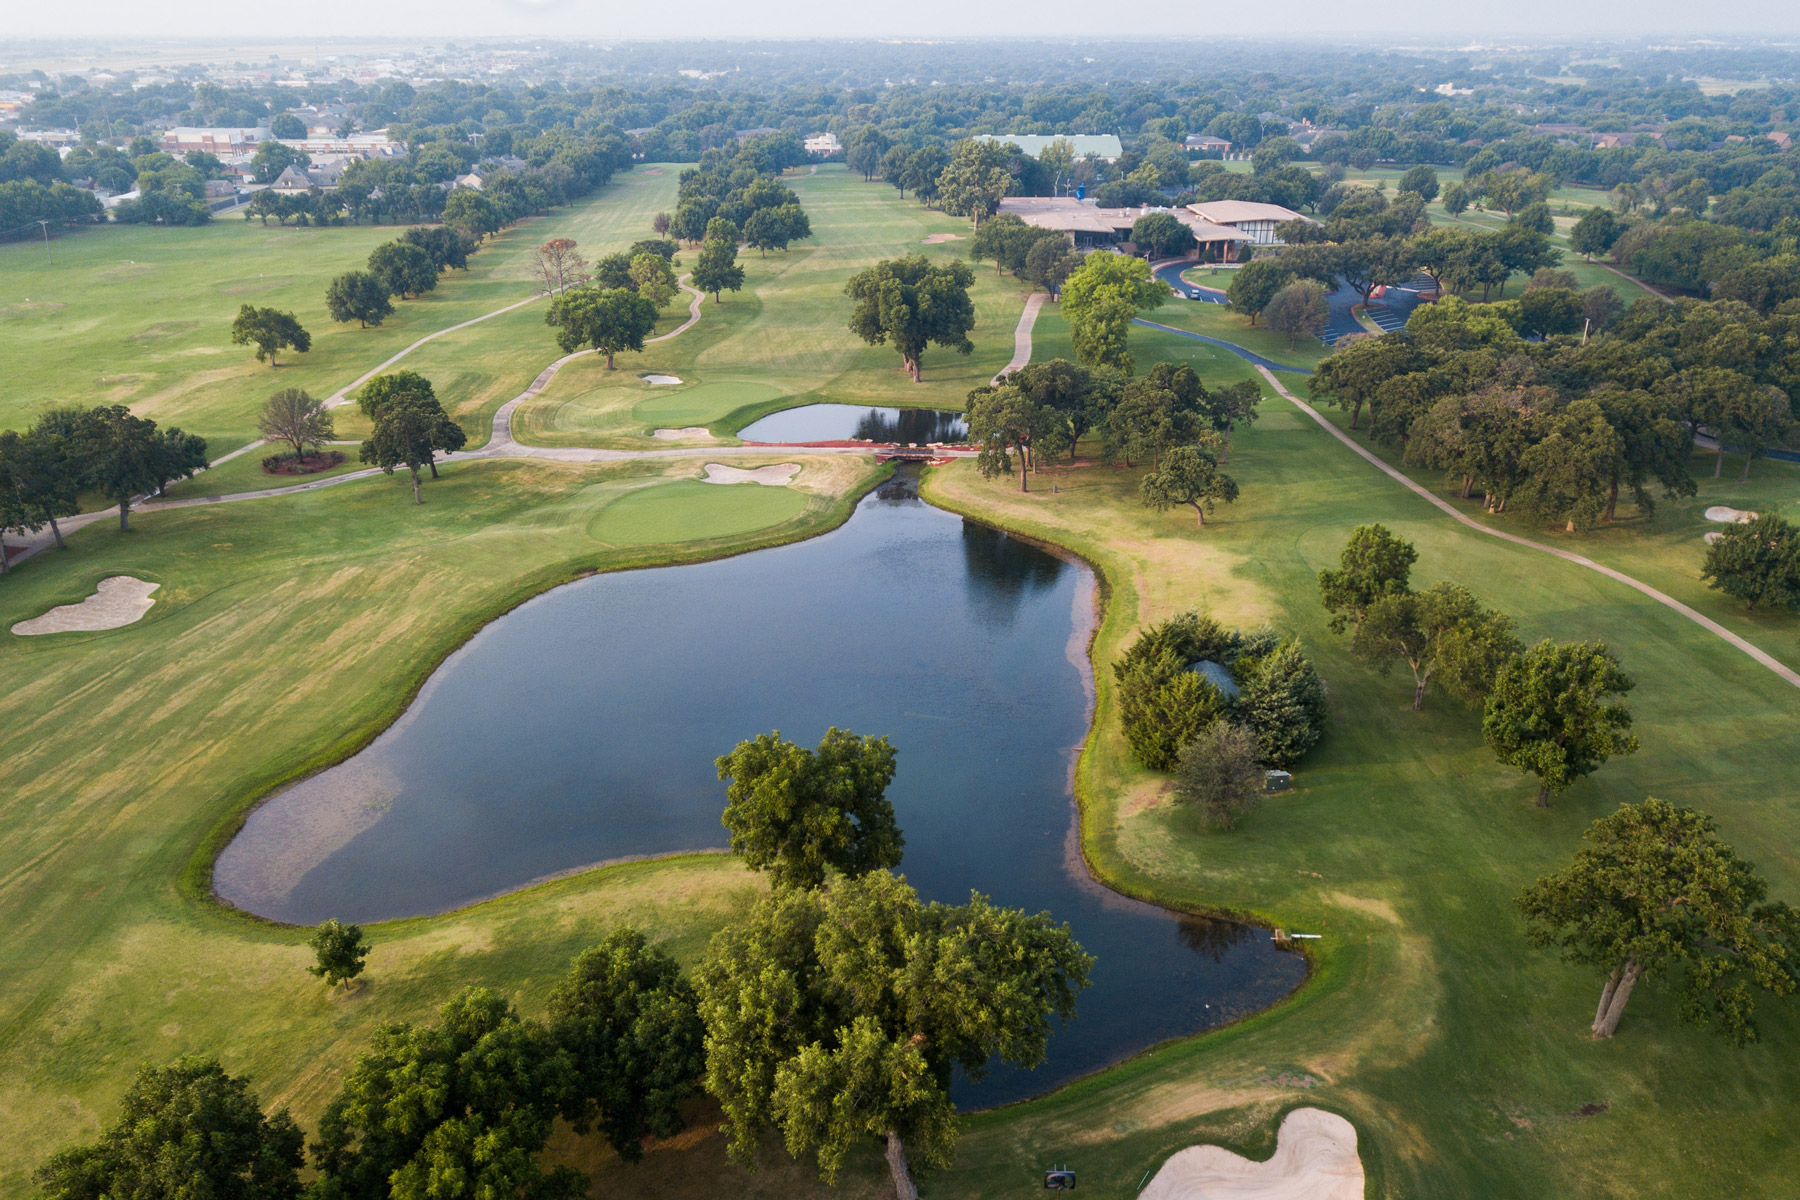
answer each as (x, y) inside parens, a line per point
(1255, 221)
(1091, 226)
(219, 140)
(1104, 146)
(823, 144)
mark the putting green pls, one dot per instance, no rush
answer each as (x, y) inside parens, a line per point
(691, 511)
(704, 402)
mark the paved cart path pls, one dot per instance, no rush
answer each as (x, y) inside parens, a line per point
(1667, 601)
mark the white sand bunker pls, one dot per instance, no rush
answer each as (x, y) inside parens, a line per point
(937, 239)
(686, 431)
(774, 475)
(1315, 1159)
(119, 600)
(1737, 516)
(660, 380)
(1710, 538)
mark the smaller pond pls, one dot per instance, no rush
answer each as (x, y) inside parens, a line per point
(839, 422)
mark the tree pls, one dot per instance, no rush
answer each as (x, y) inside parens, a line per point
(628, 1022)
(122, 455)
(1254, 285)
(839, 1014)
(1548, 713)
(404, 269)
(40, 476)
(773, 228)
(1656, 892)
(659, 224)
(410, 430)
(456, 1111)
(287, 126)
(1189, 475)
(1757, 562)
(912, 303)
(1164, 705)
(1421, 180)
(975, 181)
(1374, 563)
(358, 296)
(558, 266)
(1372, 262)
(187, 1129)
(1101, 300)
(1219, 773)
(1595, 232)
(1050, 262)
(341, 950)
(1283, 702)
(1456, 199)
(1001, 422)
(448, 247)
(1570, 469)
(800, 814)
(1159, 235)
(473, 212)
(611, 320)
(1298, 310)
(1442, 631)
(1362, 371)
(294, 417)
(271, 330)
(716, 267)
(272, 158)
(177, 455)
(395, 387)
(653, 278)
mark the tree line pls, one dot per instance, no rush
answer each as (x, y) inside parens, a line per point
(104, 450)
(834, 1012)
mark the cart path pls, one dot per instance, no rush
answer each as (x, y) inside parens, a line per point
(1700, 619)
(1034, 304)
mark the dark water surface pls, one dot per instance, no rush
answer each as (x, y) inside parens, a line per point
(837, 422)
(583, 727)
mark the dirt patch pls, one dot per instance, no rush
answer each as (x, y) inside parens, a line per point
(686, 431)
(164, 329)
(312, 464)
(1315, 1159)
(774, 475)
(1735, 516)
(119, 600)
(938, 239)
(28, 307)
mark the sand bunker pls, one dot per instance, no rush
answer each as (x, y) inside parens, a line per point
(119, 600)
(686, 431)
(938, 239)
(1710, 538)
(775, 475)
(1315, 1159)
(1737, 516)
(660, 380)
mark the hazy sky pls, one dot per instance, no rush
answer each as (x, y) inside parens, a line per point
(1386, 19)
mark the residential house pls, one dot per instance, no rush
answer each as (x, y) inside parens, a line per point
(1208, 145)
(1783, 141)
(824, 144)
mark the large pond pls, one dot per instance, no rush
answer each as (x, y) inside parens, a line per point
(838, 422)
(583, 725)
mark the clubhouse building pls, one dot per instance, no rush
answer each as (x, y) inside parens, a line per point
(1221, 228)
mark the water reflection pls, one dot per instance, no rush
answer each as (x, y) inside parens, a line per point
(838, 422)
(581, 727)
(1203, 935)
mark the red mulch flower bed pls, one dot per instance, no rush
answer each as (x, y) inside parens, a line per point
(312, 464)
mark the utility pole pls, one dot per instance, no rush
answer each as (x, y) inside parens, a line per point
(45, 226)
